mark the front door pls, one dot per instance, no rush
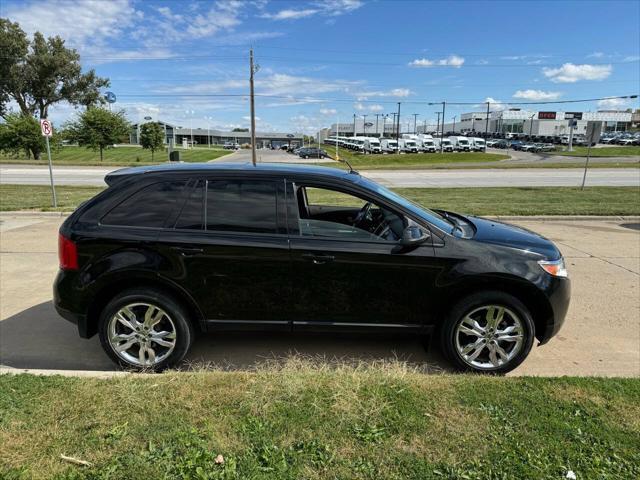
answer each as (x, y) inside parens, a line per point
(229, 248)
(346, 269)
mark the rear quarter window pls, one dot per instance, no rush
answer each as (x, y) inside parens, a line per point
(148, 207)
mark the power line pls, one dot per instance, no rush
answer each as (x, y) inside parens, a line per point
(351, 100)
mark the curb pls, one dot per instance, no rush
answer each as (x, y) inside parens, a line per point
(25, 213)
(105, 374)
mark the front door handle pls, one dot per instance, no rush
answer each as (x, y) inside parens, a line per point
(187, 251)
(318, 259)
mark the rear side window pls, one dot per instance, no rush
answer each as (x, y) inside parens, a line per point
(241, 206)
(192, 214)
(148, 207)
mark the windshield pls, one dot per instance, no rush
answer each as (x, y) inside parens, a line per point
(419, 211)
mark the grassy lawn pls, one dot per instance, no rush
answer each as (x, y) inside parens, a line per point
(603, 152)
(317, 422)
(119, 156)
(474, 201)
(414, 160)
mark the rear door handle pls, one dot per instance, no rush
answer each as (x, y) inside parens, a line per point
(318, 259)
(187, 251)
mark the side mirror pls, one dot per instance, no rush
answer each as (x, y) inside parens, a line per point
(414, 236)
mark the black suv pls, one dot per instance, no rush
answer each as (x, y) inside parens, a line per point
(311, 152)
(171, 250)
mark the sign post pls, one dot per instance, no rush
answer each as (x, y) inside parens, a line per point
(593, 136)
(47, 131)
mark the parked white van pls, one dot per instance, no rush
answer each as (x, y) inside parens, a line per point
(426, 143)
(407, 145)
(460, 143)
(477, 144)
(372, 145)
(444, 143)
(389, 145)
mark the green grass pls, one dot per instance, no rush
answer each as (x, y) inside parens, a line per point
(414, 160)
(631, 151)
(119, 156)
(474, 201)
(312, 421)
(38, 197)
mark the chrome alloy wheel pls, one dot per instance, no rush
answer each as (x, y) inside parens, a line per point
(142, 334)
(489, 337)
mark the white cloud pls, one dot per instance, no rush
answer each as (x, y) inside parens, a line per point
(596, 55)
(361, 107)
(535, 95)
(394, 92)
(570, 73)
(376, 108)
(328, 111)
(77, 21)
(327, 8)
(290, 14)
(631, 58)
(495, 105)
(613, 103)
(450, 61)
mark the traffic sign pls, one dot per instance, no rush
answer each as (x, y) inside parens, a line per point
(110, 97)
(46, 128)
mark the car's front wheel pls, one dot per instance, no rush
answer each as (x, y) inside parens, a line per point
(145, 329)
(488, 332)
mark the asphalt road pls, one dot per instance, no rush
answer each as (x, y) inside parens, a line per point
(521, 177)
(601, 335)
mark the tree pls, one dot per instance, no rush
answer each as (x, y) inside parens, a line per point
(97, 128)
(152, 137)
(39, 73)
(240, 130)
(21, 133)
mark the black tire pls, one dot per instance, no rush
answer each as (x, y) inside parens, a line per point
(184, 330)
(474, 302)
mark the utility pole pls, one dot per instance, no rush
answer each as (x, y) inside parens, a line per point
(354, 124)
(364, 124)
(393, 130)
(377, 131)
(415, 120)
(252, 71)
(454, 123)
(442, 133)
(486, 123)
(398, 130)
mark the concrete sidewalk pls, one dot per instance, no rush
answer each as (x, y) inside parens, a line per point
(601, 335)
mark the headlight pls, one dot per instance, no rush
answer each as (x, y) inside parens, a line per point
(554, 268)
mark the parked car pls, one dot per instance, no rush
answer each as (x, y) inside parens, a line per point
(171, 250)
(544, 147)
(526, 147)
(231, 146)
(492, 143)
(312, 153)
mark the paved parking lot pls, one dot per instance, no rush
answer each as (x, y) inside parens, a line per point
(601, 335)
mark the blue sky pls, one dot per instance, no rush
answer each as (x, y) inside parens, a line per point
(326, 59)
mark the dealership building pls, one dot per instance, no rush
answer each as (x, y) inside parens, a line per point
(180, 136)
(513, 120)
(543, 123)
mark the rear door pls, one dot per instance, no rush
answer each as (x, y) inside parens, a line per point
(229, 248)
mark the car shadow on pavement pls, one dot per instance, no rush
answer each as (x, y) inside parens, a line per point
(38, 338)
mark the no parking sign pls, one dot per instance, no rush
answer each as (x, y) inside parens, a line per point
(46, 127)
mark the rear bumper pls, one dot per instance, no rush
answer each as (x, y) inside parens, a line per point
(68, 304)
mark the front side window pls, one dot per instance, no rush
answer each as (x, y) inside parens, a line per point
(148, 207)
(241, 206)
(327, 213)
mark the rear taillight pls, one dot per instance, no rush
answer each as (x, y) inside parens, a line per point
(67, 253)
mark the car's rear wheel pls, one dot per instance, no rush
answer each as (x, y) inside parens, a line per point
(145, 329)
(488, 332)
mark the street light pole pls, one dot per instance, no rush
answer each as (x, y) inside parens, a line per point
(454, 123)
(438, 124)
(486, 124)
(415, 120)
(354, 124)
(377, 131)
(531, 125)
(364, 124)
